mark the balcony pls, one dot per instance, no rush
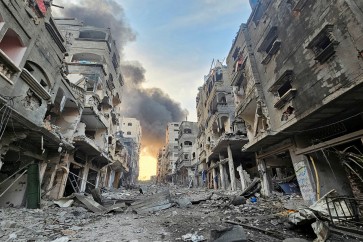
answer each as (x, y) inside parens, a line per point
(238, 78)
(7, 67)
(184, 163)
(218, 87)
(78, 91)
(222, 107)
(289, 95)
(244, 104)
(35, 85)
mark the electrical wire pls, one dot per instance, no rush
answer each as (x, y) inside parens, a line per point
(317, 128)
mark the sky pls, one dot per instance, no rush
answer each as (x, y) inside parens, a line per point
(177, 40)
(166, 48)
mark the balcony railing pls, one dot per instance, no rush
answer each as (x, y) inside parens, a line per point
(7, 67)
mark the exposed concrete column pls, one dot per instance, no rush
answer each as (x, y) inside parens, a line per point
(43, 167)
(51, 180)
(266, 183)
(223, 176)
(65, 168)
(242, 176)
(214, 172)
(222, 172)
(304, 177)
(231, 169)
(361, 139)
(84, 178)
(1, 164)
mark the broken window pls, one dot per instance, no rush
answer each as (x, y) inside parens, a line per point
(188, 143)
(129, 124)
(110, 83)
(186, 156)
(128, 133)
(90, 134)
(115, 61)
(270, 45)
(92, 34)
(323, 44)
(187, 131)
(219, 75)
(283, 89)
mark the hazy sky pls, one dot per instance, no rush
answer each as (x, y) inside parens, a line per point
(177, 40)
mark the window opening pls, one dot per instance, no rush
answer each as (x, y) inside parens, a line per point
(12, 46)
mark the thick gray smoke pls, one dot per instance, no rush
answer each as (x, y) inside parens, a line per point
(151, 106)
(103, 14)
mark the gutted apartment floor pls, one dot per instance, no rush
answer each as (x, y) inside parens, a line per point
(210, 211)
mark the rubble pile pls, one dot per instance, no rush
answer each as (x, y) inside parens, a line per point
(45, 224)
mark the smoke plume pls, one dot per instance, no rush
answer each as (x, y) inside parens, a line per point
(151, 106)
(103, 14)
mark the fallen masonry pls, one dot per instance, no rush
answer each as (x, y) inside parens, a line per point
(167, 213)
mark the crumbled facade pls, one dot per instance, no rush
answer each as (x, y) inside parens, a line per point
(221, 135)
(131, 132)
(60, 103)
(294, 76)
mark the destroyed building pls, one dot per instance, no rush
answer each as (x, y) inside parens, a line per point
(300, 80)
(171, 152)
(295, 79)
(131, 132)
(186, 139)
(221, 135)
(60, 106)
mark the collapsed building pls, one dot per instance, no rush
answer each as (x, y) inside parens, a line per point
(60, 106)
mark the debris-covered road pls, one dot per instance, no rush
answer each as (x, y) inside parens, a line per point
(159, 214)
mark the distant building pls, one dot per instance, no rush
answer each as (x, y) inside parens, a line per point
(131, 132)
(186, 139)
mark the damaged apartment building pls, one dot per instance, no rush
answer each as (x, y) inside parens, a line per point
(296, 72)
(185, 170)
(221, 163)
(60, 106)
(287, 108)
(168, 155)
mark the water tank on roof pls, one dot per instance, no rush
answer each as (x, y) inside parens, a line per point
(253, 3)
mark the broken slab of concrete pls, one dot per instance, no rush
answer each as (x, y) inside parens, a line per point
(232, 234)
(154, 203)
(91, 204)
(64, 202)
(200, 197)
(96, 194)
